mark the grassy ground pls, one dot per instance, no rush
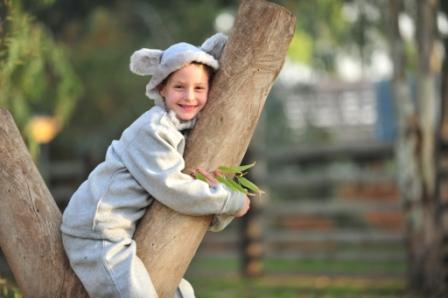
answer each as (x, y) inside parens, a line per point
(219, 277)
(297, 286)
(299, 266)
(279, 287)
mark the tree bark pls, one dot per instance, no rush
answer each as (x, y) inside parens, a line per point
(442, 181)
(250, 62)
(407, 147)
(429, 101)
(29, 222)
(417, 151)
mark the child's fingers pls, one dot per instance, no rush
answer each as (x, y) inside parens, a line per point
(207, 175)
(210, 178)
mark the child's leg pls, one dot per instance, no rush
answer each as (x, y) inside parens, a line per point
(109, 269)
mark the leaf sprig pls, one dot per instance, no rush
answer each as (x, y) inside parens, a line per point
(233, 178)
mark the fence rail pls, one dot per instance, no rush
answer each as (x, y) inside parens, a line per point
(359, 229)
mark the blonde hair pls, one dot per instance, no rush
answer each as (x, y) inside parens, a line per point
(208, 69)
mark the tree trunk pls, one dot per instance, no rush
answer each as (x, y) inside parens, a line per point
(251, 60)
(417, 151)
(429, 109)
(167, 241)
(29, 222)
(407, 148)
(442, 181)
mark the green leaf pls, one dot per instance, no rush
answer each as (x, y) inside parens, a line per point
(248, 184)
(231, 184)
(237, 169)
(199, 176)
(229, 170)
(238, 187)
(225, 181)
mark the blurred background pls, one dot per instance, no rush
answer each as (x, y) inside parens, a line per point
(350, 150)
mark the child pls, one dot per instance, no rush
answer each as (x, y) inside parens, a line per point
(146, 163)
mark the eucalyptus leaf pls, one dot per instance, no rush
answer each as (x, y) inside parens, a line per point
(229, 170)
(246, 167)
(231, 184)
(248, 184)
(237, 186)
(237, 169)
(199, 176)
(225, 181)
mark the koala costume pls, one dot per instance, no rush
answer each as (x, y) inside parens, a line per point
(100, 219)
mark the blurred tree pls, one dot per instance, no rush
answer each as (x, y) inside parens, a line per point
(421, 169)
(328, 28)
(101, 36)
(36, 78)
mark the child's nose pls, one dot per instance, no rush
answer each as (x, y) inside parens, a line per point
(189, 94)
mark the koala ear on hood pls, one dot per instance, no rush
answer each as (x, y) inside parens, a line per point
(214, 45)
(145, 61)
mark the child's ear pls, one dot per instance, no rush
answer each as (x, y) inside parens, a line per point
(214, 45)
(145, 61)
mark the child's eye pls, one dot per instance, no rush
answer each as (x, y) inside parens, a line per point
(178, 86)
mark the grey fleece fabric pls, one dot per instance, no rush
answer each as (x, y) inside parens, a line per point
(146, 162)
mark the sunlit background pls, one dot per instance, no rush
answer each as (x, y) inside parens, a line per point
(331, 223)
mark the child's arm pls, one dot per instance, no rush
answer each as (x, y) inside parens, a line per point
(152, 159)
(220, 221)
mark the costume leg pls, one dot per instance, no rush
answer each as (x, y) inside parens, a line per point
(85, 259)
(109, 269)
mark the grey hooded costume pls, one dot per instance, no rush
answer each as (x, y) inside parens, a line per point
(146, 162)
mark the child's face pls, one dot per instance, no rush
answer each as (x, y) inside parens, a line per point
(186, 91)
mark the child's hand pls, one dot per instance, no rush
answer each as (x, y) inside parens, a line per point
(211, 180)
(245, 208)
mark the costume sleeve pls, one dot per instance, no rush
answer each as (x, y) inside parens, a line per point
(220, 222)
(153, 160)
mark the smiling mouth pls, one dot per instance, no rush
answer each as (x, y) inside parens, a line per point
(188, 107)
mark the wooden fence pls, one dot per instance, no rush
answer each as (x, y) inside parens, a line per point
(353, 226)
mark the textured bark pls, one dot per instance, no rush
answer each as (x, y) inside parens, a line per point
(431, 262)
(442, 180)
(407, 150)
(417, 151)
(250, 62)
(29, 222)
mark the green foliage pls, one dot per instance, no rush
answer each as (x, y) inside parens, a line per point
(323, 30)
(301, 48)
(7, 290)
(99, 36)
(100, 43)
(36, 77)
(233, 178)
(238, 170)
(100, 47)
